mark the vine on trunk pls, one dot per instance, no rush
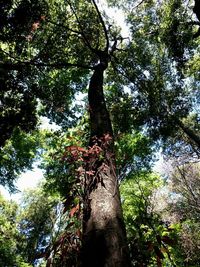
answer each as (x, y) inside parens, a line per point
(86, 164)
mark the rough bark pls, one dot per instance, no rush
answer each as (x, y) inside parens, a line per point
(104, 237)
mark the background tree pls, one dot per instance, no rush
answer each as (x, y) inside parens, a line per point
(181, 209)
(151, 239)
(184, 182)
(18, 155)
(37, 224)
(157, 74)
(9, 238)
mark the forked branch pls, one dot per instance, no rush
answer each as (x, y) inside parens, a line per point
(103, 25)
(81, 28)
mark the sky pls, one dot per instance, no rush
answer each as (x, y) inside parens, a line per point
(27, 180)
(31, 178)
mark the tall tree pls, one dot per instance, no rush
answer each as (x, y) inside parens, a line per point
(53, 50)
(85, 43)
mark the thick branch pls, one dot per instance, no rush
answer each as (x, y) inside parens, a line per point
(103, 25)
(63, 26)
(19, 65)
(191, 134)
(194, 23)
(196, 8)
(99, 116)
(81, 29)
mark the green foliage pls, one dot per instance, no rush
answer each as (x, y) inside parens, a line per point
(24, 30)
(151, 240)
(36, 222)
(18, 102)
(182, 208)
(9, 235)
(49, 51)
(17, 156)
(176, 33)
(28, 231)
(137, 192)
(58, 102)
(17, 106)
(133, 154)
(153, 65)
(193, 67)
(59, 173)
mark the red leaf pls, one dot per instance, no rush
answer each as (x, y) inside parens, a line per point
(78, 233)
(74, 210)
(71, 148)
(35, 26)
(80, 170)
(43, 17)
(81, 149)
(90, 173)
(107, 137)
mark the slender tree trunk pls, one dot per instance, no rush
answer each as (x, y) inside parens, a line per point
(104, 237)
(190, 133)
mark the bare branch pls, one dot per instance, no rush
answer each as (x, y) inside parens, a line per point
(183, 174)
(81, 28)
(63, 26)
(103, 25)
(138, 4)
(194, 23)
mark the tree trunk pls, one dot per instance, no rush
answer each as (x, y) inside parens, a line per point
(104, 237)
(190, 133)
